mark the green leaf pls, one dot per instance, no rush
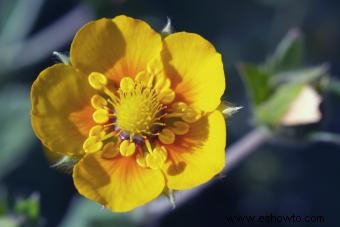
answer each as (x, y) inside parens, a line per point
(28, 207)
(16, 135)
(272, 111)
(288, 54)
(306, 75)
(85, 213)
(256, 80)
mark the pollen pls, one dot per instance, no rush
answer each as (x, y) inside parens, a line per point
(138, 108)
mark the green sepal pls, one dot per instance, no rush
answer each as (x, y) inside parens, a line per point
(62, 57)
(256, 80)
(288, 54)
(304, 75)
(170, 195)
(167, 29)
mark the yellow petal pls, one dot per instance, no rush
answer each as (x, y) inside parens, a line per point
(141, 45)
(196, 70)
(61, 111)
(198, 155)
(97, 46)
(119, 184)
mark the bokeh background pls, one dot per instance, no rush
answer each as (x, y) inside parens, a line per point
(280, 178)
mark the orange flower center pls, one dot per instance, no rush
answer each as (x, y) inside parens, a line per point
(139, 116)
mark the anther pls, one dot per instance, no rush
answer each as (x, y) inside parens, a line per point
(100, 116)
(180, 128)
(92, 144)
(156, 159)
(127, 148)
(98, 102)
(127, 84)
(97, 80)
(110, 150)
(166, 136)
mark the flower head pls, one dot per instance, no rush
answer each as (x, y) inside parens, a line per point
(138, 109)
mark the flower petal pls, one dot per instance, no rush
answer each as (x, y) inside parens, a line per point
(97, 46)
(195, 69)
(61, 111)
(199, 155)
(142, 45)
(120, 184)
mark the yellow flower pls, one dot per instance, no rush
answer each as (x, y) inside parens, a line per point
(139, 109)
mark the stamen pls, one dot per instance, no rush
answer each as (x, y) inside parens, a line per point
(187, 113)
(166, 136)
(167, 96)
(97, 130)
(108, 136)
(156, 159)
(127, 84)
(142, 78)
(148, 145)
(135, 98)
(180, 128)
(191, 115)
(98, 102)
(110, 150)
(108, 125)
(172, 115)
(110, 94)
(97, 80)
(100, 116)
(140, 159)
(179, 106)
(92, 144)
(127, 148)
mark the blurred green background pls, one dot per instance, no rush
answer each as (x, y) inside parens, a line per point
(283, 177)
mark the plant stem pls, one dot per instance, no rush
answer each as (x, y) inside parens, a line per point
(236, 153)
